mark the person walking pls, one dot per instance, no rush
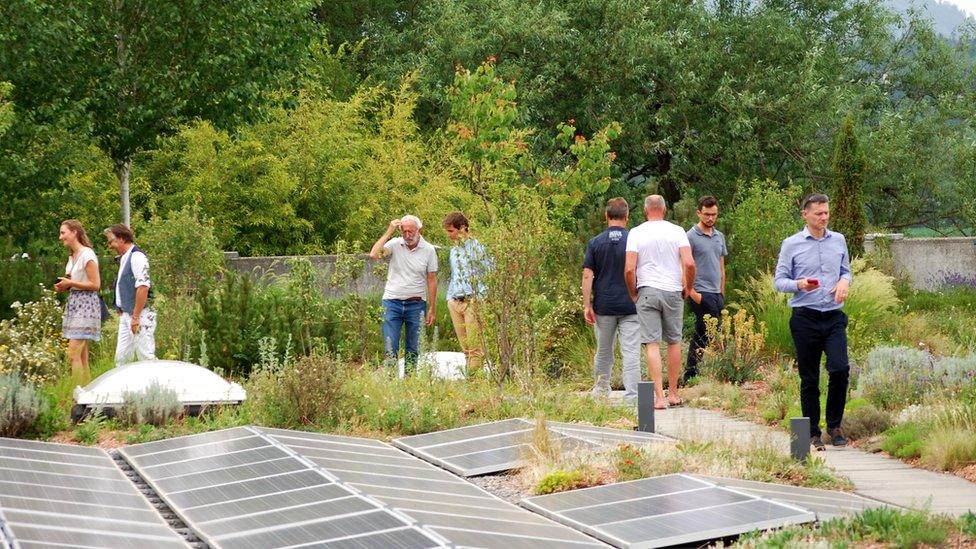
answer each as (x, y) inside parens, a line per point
(607, 305)
(815, 266)
(707, 296)
(137, 320)
(660, 272)
(82, 320)
(469, 266)
(411, 288)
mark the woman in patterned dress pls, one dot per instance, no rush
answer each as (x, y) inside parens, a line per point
(83, 314)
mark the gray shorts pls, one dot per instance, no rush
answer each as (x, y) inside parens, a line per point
(660, 314)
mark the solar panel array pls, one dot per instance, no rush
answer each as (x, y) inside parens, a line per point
(237, 488)
(259, 487)
(63, 495)
(503, 445)
(827, 504)
(664, 511)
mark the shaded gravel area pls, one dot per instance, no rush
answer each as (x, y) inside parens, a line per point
(506, 487)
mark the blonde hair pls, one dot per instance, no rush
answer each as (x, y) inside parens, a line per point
(76, 227)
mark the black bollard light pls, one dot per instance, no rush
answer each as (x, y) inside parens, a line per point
(799, 438)
(645, 406)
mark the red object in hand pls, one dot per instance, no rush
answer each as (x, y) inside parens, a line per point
(813, 282)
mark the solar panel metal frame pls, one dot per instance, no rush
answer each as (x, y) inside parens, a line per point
(132, 456)
(434, 511)
(537, 504)
(41, 490)
(826, 504)
(577, 435)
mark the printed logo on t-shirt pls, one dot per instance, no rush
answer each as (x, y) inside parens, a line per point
(615, 236)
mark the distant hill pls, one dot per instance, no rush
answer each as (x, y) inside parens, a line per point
(946, 16)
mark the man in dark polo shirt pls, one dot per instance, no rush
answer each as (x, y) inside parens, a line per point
(607, 305)
(707, 297)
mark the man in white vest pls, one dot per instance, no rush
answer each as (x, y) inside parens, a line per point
(137, 321)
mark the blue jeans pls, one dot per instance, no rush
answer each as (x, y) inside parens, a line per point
(399, 314)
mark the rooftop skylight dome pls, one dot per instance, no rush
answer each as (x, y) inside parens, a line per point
(197, 387)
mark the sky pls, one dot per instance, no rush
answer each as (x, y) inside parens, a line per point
(968, 6)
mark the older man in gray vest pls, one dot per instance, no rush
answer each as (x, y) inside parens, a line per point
(137, 321)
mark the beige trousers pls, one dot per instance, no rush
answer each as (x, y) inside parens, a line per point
(464, 315)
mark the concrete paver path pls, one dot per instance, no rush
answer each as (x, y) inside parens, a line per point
(873, 475)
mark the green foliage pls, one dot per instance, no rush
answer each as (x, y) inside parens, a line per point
(24, 278)
(758, 296)
(870, 305)
(967, 524)
(156, 405)
(893, 377)
(904, 441)
(902, 529)
(88, 431)
(735, 348)
(560, 480)
(311, 387)
(156, 68)
(7, 114)
(185, 252)
(763, 216)
(949, 448)
(847, 207)
(629, 463)
(20, 404)
(865, 421)
(30, 343)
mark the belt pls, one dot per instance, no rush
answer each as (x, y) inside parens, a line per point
(463, 298)
(817, 313)
(414, 298)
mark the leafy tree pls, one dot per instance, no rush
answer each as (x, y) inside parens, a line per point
(847, 208)
(764, 215)
(130, 71)
(706, 95)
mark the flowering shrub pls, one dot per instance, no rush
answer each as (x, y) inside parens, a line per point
(735, 348)
(893, 377)
(30, 343)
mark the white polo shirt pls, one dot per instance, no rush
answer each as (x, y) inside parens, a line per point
(658, 259)
(407, 276)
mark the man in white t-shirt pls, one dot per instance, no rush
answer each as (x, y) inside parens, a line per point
(659, 272)
(410, 295)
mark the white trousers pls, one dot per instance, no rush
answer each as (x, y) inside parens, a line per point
(141, 345)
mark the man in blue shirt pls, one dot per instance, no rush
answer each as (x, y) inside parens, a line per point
(469, 265)
(607, 305)
(815, 266)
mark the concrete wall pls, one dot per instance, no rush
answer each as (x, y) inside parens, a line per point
(370, 281)
(930, 263)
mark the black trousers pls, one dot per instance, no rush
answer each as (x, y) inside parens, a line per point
(712, 305)
(816, 333)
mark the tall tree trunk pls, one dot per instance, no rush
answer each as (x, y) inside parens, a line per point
(122, 170)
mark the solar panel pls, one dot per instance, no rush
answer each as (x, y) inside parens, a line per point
(827, 504)
(440, 502)
(59, 494)
(607, 436)
(502, 445)
(239, 488)
(663, 511)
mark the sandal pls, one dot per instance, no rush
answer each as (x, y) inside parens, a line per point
(661, 406)
(680, 402)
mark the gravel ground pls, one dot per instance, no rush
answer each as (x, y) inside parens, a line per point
(506, 487)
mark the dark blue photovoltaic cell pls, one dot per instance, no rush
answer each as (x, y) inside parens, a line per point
(665, 511)
(59, 494)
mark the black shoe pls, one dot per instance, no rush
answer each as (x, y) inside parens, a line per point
(836, 437)
(817, 443)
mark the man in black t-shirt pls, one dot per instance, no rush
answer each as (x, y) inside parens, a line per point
(607, 305)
